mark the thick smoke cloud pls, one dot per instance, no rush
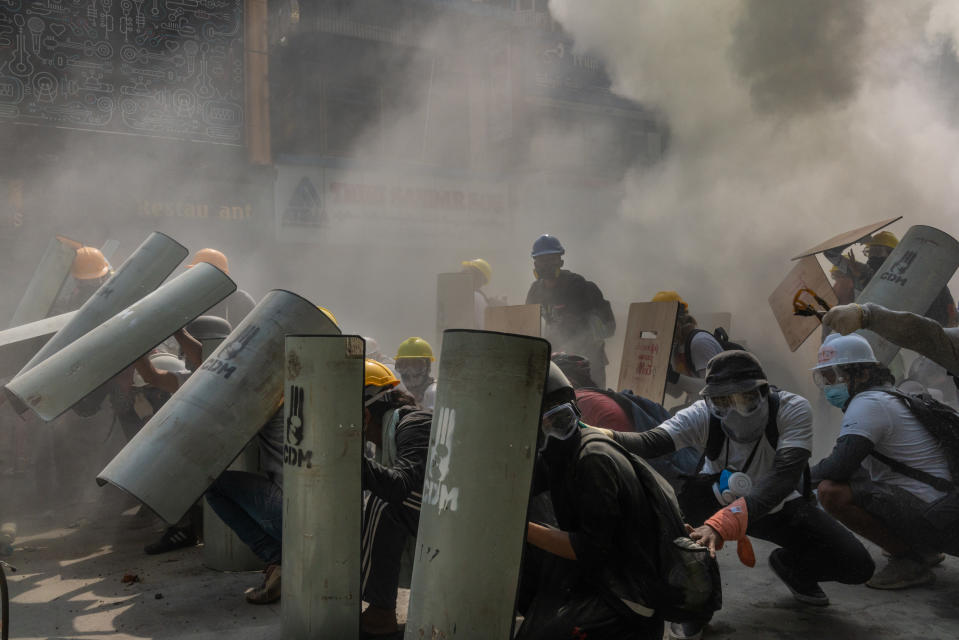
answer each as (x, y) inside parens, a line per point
(790, 122)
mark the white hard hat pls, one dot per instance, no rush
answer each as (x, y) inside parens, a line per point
(839, 350)
(163, 362)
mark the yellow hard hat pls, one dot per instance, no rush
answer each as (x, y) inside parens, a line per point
(328, 314)
(883, 239)
(415, 348)
(89, 264)
(377, 374)
(482, 266)
(211, 256)
(670, 296)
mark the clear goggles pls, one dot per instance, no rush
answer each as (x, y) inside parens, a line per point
(827, 375)
(560, 422)
(743, 402)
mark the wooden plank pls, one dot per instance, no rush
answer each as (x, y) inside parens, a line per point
(649, 339)
(848, 237)
(455, 305)
(711, 321)
(806, 274)
(522, 319)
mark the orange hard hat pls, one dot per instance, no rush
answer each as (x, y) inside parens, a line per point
(211, 256)
(89, 264)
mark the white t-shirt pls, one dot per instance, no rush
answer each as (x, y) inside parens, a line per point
(690, 428)
(429, 397)
(896, 433)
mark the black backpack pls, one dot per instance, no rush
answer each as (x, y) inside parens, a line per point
(683, 582)
(942, 422)
(721, 337)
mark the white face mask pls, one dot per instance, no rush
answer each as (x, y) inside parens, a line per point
(748, 428)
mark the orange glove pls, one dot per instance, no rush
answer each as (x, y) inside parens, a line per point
(731, 523)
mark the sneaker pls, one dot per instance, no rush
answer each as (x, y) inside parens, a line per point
(377, 621)
(172, 539)
(805, 591)
(269, 591)
(902, 572)
(685, 630)
(928, 558)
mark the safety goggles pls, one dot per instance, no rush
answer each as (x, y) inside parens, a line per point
(827, 375)
(560, 422)
(743, 402)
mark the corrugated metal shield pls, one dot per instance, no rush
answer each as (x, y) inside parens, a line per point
(475, 497)
(322, 487)
(172, 461)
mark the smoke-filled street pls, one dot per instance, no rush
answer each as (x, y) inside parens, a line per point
(494, 319)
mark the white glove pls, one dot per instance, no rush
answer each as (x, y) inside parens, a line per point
(844, 318)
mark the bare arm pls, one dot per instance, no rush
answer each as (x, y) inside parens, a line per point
(550, 540)
(163, 380)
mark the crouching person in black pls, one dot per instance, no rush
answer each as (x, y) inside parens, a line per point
(587, 580)
(756, 442)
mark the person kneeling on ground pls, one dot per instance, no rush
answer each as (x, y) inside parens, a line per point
(888, 478)
(587, 582)
(756, 441)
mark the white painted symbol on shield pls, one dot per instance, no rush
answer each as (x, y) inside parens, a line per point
(435, 490)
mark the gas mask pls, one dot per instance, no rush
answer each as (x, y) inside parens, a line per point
(559, 423)
(743, 414)
(414, 375)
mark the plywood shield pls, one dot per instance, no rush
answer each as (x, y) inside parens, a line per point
(19, 344)
(322, 487)
(140, 274)
(522, 319)
(806, 274)
(476, 493)
(46, 282)
(649, 340)
(910, 279)
(175, 457)
(455, 304)
(57, 383)
(847, 237)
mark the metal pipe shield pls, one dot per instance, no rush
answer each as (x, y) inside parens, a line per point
(322, 487)
(190, 441)
(46, 282)
(19, 344)
(140, 274)
(66, 377)
(478, 475)
(911, 278)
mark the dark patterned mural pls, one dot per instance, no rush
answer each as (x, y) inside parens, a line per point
(171, 68)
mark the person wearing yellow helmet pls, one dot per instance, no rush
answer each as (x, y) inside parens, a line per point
(414, 359)
(577, 318)
(400, 432)
(235, 306)
(90, 269)
(691, 351)
(482, 274)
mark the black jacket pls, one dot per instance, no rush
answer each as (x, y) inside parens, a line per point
(404, 480)
(567, 308)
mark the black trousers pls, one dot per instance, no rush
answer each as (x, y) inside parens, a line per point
(386, 530)
(817, 546)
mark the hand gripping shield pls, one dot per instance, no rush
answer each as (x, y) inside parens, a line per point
(322, 487)
(140, 274)
(476, 493)
(188, 443)
(66, 377)
(910, 279)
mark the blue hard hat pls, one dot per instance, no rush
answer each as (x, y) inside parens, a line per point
(547, 244)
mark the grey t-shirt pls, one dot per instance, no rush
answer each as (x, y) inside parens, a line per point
(701, 350)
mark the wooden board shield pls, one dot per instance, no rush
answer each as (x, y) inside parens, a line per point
(322, 487)
(649, 340)
(521, 319)
(712, 321)
(476, 491)
(806, 274)
(847, 238)
(455, 305)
